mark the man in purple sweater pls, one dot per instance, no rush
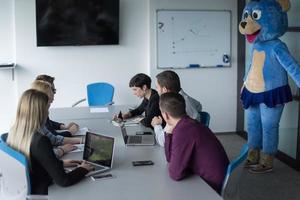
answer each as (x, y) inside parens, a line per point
(190, 147)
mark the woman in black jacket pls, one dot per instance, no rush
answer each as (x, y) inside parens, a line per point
(26, 138)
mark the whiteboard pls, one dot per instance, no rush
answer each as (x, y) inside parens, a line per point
(193, 38)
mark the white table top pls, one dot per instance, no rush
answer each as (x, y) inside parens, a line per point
(144, 182)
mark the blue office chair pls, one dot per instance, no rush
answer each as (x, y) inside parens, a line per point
(231, 167)
(3, 137)
(98, 94)
(14, 177)
(205, 118)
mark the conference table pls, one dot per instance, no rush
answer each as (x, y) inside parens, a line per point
(129, 182)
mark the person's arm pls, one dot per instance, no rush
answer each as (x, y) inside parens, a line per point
(151, 112)
(288, 62)
(55, 125)
(178, 153)
(139, 110)
(56, 140)
(159, 135)
(73, 140)
(58, 152)
(44, 154)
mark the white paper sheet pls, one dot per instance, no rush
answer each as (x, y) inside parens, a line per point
(99, 110)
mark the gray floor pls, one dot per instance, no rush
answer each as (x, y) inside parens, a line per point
(282, 184)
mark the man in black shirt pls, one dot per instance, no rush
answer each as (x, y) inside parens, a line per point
(141, 87)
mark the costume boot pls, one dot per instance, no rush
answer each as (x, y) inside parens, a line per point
(252, 158)
(265, 164)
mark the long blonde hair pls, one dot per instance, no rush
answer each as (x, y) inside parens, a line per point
(31, 115)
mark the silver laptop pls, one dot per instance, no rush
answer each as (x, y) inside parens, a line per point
(98, 151)
(137, 140)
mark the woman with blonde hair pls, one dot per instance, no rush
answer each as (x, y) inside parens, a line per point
(56, 140)
(25, 136)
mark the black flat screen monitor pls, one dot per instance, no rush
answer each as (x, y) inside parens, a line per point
(77, 22)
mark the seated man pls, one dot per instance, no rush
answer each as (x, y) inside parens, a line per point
(141, 87)
(53, 126)
(168, 81)
(190, 147)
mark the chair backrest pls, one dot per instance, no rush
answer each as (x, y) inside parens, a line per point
(99, 94)
(233, 165)
(3, 137)
(15, 182)
(205, 118)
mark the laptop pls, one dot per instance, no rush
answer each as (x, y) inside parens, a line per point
(137, 140)
(98, 151)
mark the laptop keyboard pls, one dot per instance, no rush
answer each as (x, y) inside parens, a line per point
(96, 167)
(135, 139)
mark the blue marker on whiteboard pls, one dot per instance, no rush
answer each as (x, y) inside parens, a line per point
(194, 66)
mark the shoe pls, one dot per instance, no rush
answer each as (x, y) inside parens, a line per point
(249, 164)
(265, 165)
(261, 169)
(252, 158)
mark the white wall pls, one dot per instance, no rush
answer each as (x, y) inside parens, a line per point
(7, 85)
(75, 66)
(214, 88)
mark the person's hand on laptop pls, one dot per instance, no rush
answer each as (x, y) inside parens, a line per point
(156, 121)
(68, 147)
(71, 163)
(86, 166)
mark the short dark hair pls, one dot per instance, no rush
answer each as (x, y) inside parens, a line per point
(170, 80)
(172, 103)
(48, 79)
(140, 80)
(44, 77)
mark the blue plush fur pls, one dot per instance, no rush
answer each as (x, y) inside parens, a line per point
(266, 88)
(274, 21)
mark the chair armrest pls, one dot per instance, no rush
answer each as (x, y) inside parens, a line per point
(78, 102)
(37, 197)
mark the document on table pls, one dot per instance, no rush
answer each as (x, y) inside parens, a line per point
(134, 121)
(99, 110)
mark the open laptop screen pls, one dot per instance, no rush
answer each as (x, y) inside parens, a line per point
(98, 149)
(124, 134)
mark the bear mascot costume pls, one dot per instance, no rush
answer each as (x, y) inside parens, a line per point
(266, 90)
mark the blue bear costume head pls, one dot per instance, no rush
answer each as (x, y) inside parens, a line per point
(264, 20)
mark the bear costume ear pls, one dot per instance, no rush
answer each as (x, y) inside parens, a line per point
(285, 5)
